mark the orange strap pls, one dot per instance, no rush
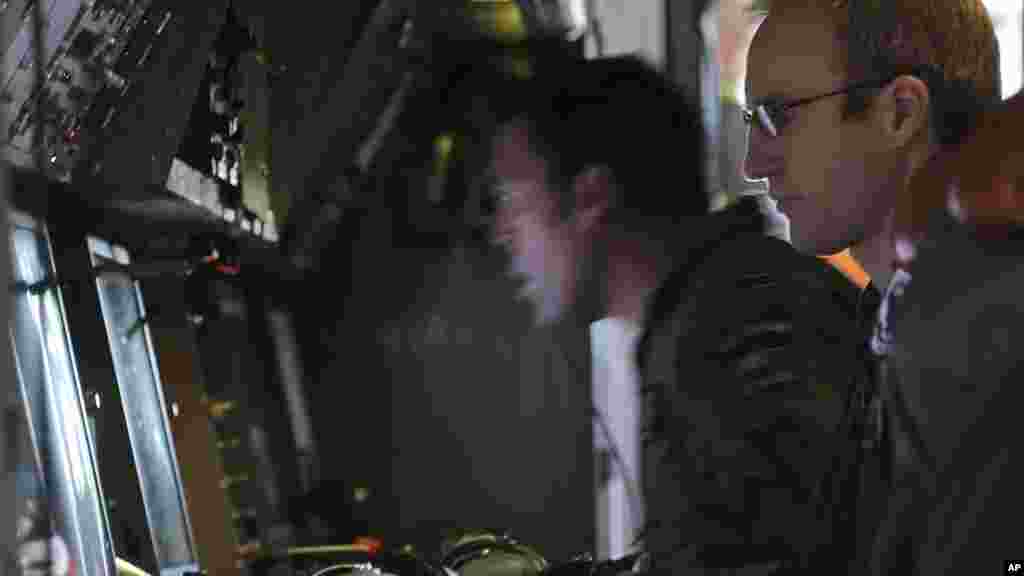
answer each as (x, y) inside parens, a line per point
(850, 268)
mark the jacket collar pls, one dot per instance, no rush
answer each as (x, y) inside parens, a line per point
(707, 234)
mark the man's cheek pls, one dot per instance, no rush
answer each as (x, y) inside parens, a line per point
(535, 249)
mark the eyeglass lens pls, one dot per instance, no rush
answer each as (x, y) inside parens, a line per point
(764, 119)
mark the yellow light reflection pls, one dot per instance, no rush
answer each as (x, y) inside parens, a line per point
(500, 19)
(443, 146)
(219, 409)
(520, 68)
(126, 568)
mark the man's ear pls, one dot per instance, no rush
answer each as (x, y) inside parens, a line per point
(903, 108)
(593, 188)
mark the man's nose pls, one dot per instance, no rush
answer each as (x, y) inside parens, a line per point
(761, 161)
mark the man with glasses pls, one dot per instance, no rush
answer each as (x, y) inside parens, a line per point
(748, 353)
(847, 100)
(847, 97)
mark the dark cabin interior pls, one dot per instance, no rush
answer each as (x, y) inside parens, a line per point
(434, 406)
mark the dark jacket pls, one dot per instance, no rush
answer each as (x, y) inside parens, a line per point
(754, 370)
(954, 382)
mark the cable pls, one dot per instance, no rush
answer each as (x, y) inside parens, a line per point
(632, 490)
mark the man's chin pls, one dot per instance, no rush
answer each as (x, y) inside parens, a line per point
(544, 319)
(544, 316)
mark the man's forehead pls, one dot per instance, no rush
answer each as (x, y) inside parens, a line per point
(512, 134)
(513, 155)
(794, 54)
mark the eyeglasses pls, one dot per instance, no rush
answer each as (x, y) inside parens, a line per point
(771, 114)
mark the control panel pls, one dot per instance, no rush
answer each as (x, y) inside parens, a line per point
(83, 51)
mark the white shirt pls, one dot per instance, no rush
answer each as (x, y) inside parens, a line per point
(616, 394)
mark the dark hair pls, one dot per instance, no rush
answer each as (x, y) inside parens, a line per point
(622, 114)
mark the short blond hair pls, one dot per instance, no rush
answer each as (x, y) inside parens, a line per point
(954, 40)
